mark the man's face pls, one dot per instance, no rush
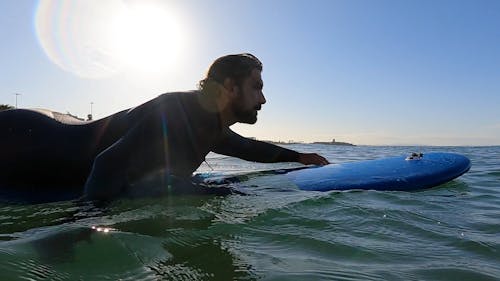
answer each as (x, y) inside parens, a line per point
(249, 99)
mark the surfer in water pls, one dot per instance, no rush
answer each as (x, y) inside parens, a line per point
(162, 141)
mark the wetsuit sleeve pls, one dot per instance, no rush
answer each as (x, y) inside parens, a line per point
(232, 144)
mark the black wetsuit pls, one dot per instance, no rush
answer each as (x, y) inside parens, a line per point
(174, 132)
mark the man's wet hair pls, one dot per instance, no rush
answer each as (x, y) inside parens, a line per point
(236, 67)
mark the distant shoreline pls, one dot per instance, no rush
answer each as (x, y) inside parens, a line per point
(334, 143)
(316, 142)
(421, 146)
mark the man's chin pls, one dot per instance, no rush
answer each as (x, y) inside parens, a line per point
(248, 118)
(249, 121)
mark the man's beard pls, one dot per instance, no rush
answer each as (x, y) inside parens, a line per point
(248, 116)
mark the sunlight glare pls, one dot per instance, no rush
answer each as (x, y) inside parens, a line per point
(146, 37)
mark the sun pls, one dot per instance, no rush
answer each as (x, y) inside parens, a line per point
(96, 39)
(145, 37)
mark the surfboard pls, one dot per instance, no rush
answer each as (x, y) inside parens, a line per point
(404, 173)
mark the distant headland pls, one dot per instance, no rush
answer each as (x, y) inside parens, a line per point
(333, 142)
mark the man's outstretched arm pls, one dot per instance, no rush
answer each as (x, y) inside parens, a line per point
(232, 144)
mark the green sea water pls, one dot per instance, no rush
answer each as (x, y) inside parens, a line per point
(451, 232)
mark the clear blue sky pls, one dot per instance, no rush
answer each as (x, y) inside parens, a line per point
(362, 71)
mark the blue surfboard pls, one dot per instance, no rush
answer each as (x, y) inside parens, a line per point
(405, 173)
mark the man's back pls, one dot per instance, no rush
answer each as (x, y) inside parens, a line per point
(43, 149)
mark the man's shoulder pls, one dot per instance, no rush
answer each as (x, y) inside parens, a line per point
(177, 95)
(188, 99)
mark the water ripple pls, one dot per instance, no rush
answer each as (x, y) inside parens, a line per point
(275, 233)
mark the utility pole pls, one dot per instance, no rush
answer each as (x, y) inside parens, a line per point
(17, 94)
(89, 117)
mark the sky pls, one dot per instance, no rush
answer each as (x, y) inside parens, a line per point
(368, 72)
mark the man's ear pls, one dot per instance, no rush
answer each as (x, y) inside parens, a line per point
(230, 87)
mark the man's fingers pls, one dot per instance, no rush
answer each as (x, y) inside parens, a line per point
(313, 158)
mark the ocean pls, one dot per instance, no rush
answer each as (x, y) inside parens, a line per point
(275, 232)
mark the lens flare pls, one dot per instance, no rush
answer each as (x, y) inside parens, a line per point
(97, 39)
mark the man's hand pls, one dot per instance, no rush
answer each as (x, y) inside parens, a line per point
(312, 158)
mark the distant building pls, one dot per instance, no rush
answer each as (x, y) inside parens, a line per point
(334, 142)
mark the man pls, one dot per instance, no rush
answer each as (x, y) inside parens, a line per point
(161, 142)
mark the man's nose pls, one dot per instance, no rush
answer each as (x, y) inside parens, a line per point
(262, 99)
